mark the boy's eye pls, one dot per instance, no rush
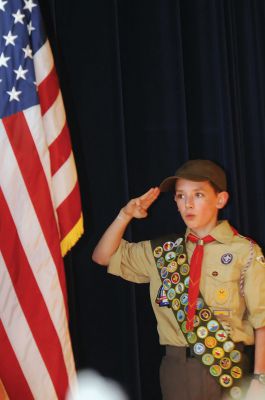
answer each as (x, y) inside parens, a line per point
(199, 194)
(179, 196)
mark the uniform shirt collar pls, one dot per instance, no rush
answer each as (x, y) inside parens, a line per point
(222, 232)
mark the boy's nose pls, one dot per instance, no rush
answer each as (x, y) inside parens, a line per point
(189, 203)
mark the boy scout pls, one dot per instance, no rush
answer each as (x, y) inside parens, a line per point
(207, 288)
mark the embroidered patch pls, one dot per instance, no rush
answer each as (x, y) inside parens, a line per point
(236, 372)
(229, 346)
(199, 348)
(208, 359)
(218, 352)
(226, 380)
(225, 363)
(221, 335)
(168, 246)
(215, 370)
(236, 393)
(158, 252)
(210, 342)
(221, 295)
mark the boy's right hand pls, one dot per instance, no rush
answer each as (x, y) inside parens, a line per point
(137, 208)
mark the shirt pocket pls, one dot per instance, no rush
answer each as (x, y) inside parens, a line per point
(222, 286)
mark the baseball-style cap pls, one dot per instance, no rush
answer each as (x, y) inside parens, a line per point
(198, 171)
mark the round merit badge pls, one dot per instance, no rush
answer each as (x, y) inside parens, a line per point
(184, 269)
(235, 392)
(213, 325)
(196, 321)
(179, 249)
(202, 332)
(184, 299)
(191, 337)
(175, 278)
(210, 342)
(166, 284)
(181, 259)
(168, 246)
(158, 252)
(172, 267)
(180, 315)
(235, 356)
(199, 304)
(218, 352)
(178, 241)
(184, 327)
(164, 272)
(160, 262)
(221, 335)
(199, 348)
(236, 372)
(171, 294)
(225, 363)
(180, 288)
(207, 359)
(226, 380)
(215, 370)
(205, 314)
(170, 256)
(229, 346)
(175, 304)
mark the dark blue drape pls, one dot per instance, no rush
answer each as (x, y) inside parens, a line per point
(148, 85)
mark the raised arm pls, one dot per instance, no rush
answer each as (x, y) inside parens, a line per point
(110, 241)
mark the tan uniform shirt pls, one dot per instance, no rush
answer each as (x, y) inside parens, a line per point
(223, 263)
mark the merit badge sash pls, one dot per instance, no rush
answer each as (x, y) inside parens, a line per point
(209, 341)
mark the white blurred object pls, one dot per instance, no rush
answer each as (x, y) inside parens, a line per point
(92, 386)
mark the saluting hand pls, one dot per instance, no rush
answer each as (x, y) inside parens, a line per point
(137, 208)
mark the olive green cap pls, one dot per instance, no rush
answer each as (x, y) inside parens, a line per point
(198, 171)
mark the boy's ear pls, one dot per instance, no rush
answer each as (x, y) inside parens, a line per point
(222, 199)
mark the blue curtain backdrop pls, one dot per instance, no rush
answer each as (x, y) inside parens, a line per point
(148, 85)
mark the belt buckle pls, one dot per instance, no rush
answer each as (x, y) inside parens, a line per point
(189, 353)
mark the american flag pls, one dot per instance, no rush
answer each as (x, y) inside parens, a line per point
(40, 211)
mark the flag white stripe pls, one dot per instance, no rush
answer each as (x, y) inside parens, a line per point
(54, 119)
(21, 339)
(43, 62)
(61, 187)
(34, 122)
(34, 244)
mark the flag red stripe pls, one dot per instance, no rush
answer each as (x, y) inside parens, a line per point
(48, 91)
(67, 219)
(10, 371)
(38, 317)
(60, 149)
(23, 145)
